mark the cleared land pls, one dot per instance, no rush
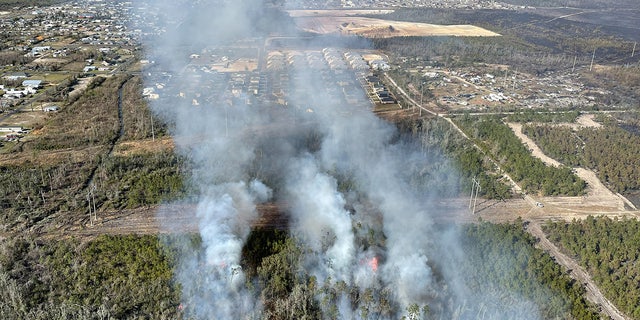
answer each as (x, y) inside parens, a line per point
(598, 196)
(348, 23)
(598, 201)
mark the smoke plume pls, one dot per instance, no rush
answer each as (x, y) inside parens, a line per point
(377, 233)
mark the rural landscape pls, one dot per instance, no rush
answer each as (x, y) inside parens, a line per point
(399, 159)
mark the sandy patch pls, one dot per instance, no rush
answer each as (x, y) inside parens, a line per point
(379, 28)
(49, 61)
(598, 198)
(143, 146)
(239, 65)
(82, 84)
(372, 57)
(586, 120)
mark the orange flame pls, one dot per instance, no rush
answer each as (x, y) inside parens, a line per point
(373, 263)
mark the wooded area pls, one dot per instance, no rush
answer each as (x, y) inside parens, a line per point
(610, 251)
(436, 134)
(497, 139)
(612, 152)
(131, 276)
(111, 277)
(71, 150)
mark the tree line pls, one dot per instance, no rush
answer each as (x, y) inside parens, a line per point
(609, 249)
(130, 276)
(612, 152)
(497, 139)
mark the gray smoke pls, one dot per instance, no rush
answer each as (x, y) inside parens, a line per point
(245, 152)
(320, 219)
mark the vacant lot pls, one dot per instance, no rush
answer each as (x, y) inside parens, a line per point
(347, 22)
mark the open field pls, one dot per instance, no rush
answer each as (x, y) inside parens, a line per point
(347, 23)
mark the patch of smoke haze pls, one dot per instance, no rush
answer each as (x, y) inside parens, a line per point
(380, 168)
(320, 220)
(388, 172)
(491, 301)
(213, 284)
(322, 224)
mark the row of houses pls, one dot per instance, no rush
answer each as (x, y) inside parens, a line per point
(380, 90)
(29, 87)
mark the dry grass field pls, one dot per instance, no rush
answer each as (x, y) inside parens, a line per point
(348, 22)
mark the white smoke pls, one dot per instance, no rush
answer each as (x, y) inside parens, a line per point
(320, 219)
(240, 151)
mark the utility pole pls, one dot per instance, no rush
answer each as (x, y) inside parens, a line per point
(93, 197)
(575, 58)
(592, 58)
(153, 134)
(226, 121)
(421, 96)
(90, 215)
(475, 187)
(506, 74)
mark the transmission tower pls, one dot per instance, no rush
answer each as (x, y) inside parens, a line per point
(475, 189)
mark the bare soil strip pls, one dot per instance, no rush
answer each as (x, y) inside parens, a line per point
(597, 195)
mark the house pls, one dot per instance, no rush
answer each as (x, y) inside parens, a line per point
(39, 50)
(379, 65)
(15, 76)
(89, 69)
(10, 129)
(13, 94)
(35, 84)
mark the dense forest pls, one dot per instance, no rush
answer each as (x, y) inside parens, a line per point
(111, 277)
(610, 251)
(531, 173)
(118, 277)
(612, 152)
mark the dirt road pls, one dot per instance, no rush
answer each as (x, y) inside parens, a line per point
(593, 293)
(597, 193)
